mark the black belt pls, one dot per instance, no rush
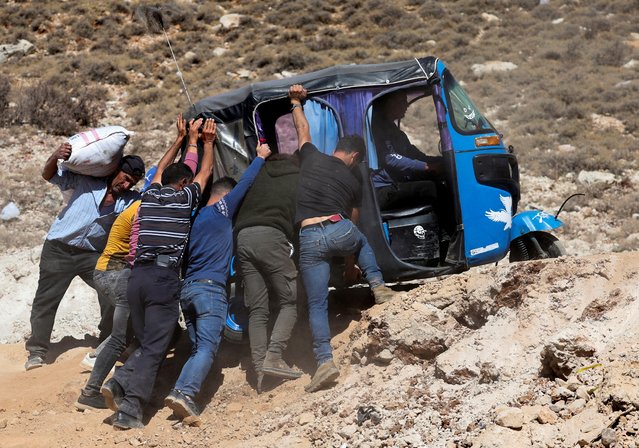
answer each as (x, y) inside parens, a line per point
(161, 260)
(207, 281)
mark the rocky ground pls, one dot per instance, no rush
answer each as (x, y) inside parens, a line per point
(539, 354)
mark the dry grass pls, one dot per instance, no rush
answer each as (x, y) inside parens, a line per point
(575, 64)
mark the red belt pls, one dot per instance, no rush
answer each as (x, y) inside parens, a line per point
(330, 220)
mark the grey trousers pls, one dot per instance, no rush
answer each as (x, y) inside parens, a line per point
(59, 264)
(111, 284)
(264, 256)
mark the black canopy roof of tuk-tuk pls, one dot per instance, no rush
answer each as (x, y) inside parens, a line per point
(227, 106)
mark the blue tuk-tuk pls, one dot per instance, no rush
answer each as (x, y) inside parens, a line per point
(471, 220)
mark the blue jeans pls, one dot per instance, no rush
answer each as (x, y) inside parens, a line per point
(318, 244)
(204, 307)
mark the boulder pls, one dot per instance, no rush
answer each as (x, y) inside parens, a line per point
(306, 418)
(230, 21)
(562, 355)
(604, 123)
(408, 334)
(492, 67)
(583, 428)
(512, 418)
(219, 51)
(23, 46)
(458, 366)
(595, 177)
(577, 406)
(500, 437)
(490, 17)
(608, 437)
(546, 416)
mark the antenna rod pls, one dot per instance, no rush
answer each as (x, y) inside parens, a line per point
(179, 72)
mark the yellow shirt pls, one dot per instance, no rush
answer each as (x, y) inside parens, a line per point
(117, 246)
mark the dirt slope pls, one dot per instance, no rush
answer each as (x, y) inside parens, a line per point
(455, 362)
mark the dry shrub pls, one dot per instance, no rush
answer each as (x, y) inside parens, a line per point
(595, 26)
(431, 10)
(613, 54)
(82, 28)
(51, 106)
(104, 71)
(5, 90)
(384, 14)
(293, 59)
(145, 96)
(261, 59)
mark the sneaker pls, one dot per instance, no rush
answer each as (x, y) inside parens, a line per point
(125, 421)
(88, 362)
(85, 402)
(33, 362)
(383, 294)
(326, 373)
(274, 365)
(182, 405)
(112, 393)
(171, 397)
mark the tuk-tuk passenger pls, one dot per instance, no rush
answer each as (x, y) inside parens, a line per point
(328, 195)
(401, 180)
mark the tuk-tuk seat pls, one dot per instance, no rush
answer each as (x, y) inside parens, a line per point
(405, 212)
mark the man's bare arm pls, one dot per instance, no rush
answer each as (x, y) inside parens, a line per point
(170, 154)
(51, 166)
(297, 94)
(208, 159)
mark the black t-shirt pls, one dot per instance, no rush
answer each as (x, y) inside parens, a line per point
(326, 185)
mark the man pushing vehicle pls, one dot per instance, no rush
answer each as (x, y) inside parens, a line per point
(328, 196)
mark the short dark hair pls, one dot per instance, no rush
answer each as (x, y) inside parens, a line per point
(223, 185)
(350, 144)
(175, 172)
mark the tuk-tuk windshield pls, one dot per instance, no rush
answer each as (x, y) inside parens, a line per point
(464, 114)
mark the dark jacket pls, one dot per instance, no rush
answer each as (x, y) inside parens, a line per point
(271, 200)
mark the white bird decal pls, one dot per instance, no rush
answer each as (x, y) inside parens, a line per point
(505, 215)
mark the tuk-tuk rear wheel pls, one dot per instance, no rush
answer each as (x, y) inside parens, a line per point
(536, 246)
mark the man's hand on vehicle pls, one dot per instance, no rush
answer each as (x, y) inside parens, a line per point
(181, 127)
(209, 132)
(194, 130)
(297, 93)
(263, 150)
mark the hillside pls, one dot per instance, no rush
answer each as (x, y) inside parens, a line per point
(539, 354)
(567, 105)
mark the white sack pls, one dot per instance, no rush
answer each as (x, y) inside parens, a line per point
(97, 152)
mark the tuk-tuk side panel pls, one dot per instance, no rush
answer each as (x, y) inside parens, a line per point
(486, 212)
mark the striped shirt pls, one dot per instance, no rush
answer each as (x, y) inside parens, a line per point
(165, 222)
